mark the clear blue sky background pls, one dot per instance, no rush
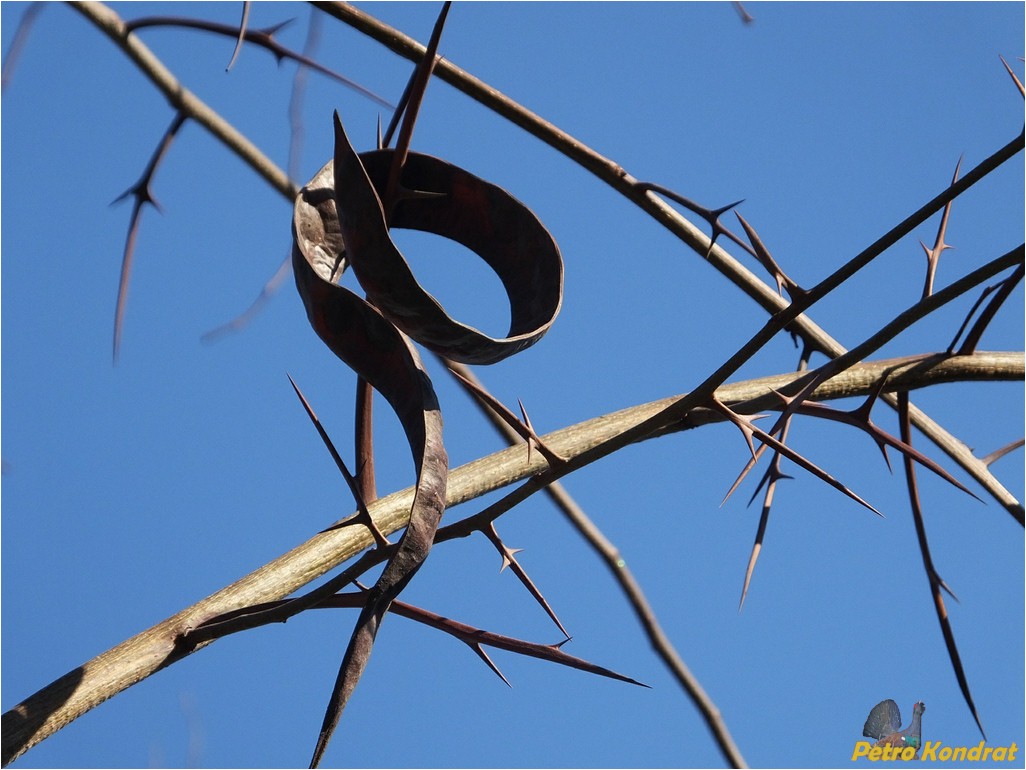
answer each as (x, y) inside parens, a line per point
(131, 491)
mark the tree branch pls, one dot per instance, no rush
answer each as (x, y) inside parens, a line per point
(66, 699)
(184, 100)
(617, 177)
(605, 169)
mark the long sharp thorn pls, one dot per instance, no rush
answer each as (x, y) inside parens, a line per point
(471, 635)
(123, 279)
(525, 432)
(936, 583)
(997, 454)
(740, 477)
(1018, 83)
(423, 76)
(771, 477)
(364, 515)
(812, 468)
(509, 559)
(767, 261)
(141, 192)
(939, 246)
(942, 584)
(754, 557)
(527, 421)
(242, 36)
(488, 661)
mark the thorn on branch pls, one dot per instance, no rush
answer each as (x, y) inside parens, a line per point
(142, 195)
(935, 581)
(860, 418)
(363, 517)
(524, 429)
(243, 23)
(997, 454)
(475, 637)
(509, 560)
(939, 246)
(762, 254)
(264, 38)
(769, 479)
(1015, 78)
(799, 459)
(1002, 291)
(711, 216)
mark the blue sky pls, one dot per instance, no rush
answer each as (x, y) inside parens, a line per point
(131, 491)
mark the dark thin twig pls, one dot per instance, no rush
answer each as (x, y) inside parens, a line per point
(769, 479)
(261, 37)
(386, 139)
(363, 440)
(936, 583)
(987, 291)
(296, 136)
(1002, 292)
(142, 194)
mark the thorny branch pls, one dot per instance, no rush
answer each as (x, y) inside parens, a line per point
(618, 178)
(261, 37)
(603, 168)
(617, 565)
(904, 320)
(722, 373)
(63, 701)
(142, 194)
(935, 580)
